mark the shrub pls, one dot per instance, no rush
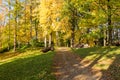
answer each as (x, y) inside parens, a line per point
(34, 43)
(5, 49)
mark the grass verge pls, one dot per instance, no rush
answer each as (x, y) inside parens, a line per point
(30, 65)
(104, 59)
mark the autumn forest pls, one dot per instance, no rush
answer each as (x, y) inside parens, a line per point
(50, 24)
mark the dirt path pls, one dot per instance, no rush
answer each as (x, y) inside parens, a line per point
(68, 66)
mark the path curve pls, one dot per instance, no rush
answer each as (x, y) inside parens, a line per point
(67, 66)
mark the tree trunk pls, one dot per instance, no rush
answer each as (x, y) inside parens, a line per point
(15, 35)
(57, 39)
(104, 36)
(72, 38)
(31, 19)
(118, 34)
(15, 30)
(109, 23)
(45, 41)
(36, 30)
(50, 39)
(25, 18)
(9, 27)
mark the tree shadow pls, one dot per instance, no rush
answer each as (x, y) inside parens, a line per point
(77, 70)
(102, 52)
(31, 68)
(8, 55)
(83, 52)
(113, 72)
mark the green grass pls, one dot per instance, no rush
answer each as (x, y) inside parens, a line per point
(29, 65)
(106, 59)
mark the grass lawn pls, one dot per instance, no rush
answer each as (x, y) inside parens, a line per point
(106, 59)
(29, 65)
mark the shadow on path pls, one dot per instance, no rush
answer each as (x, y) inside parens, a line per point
(69, 66)
(113, 72)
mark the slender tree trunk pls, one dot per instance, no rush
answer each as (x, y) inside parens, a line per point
(15, 35)
(118, 32)
(57, 39)
(25, 18)
(104, 39)
(109, 23)
(50, 39)
(9, 26)
(104, 35)
(9, 36)
(31, 19)
(36, 30)
(45, 41)
(72, 38)
(15, 30)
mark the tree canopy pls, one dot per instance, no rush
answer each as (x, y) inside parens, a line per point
(62, 22)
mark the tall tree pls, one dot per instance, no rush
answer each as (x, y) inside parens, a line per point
(110, 9)
(71, 10)
(31, 10)
(109, 21)
(16, 25)
(9, 2)
(17, 15)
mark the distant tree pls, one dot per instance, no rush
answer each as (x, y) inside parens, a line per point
(31, 19)
(111, 12)
(9, 2)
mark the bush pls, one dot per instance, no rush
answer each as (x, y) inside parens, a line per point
(34, 43)
(40, 44)
(24, 47)
(5, 49)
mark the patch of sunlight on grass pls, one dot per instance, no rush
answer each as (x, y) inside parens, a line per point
(29, 65)
(16, 56)
(101, 57)
(103, 63)
(91, 57)
(107, 59)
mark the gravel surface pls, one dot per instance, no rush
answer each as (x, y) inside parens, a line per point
(68, 66)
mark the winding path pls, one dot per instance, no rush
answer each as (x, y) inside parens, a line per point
(68, 66)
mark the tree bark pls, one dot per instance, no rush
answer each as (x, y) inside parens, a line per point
(15, 30)
(45, 41)
(50, 39)
(31, 19)
(104, 38)
(25, 18)
(57, 39)
(109, 23)
(9, 26)
(72, 38)
(15, 35)
(36, 30)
